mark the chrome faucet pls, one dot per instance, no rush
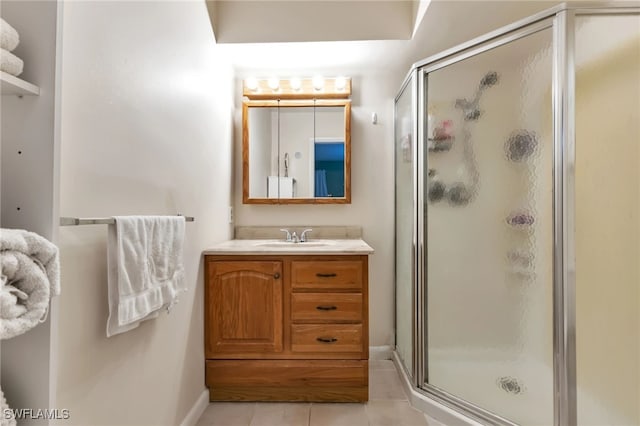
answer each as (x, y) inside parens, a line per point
(292, 237)
(288, 237)
(303, 236)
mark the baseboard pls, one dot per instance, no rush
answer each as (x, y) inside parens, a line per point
(430, 407)
(196, 411)
(380, 352)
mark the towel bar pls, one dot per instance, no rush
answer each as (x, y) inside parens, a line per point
(72, 221)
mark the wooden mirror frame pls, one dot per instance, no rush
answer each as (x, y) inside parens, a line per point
(346, 103)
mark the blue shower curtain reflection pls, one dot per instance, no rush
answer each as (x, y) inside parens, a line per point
(321, 184)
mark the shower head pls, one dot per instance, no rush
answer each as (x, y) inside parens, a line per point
(471, 109)
(489, 79)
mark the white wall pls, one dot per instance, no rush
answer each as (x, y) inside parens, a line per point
(271, 21)
(607, 220)
(371, 185)
(146, 129)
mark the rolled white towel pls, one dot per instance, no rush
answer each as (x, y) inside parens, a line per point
(6, 415)
(10, 63)
(9, 37)
(29, 278)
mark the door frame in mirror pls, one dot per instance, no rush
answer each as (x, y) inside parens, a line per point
(246, 104)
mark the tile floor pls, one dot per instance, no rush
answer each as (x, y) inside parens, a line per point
(387, 406)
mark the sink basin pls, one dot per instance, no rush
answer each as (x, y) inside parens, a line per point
(287, 244)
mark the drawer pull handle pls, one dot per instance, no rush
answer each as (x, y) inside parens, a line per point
(326, 308)
(276, 275)
(327, 339)
(321, 275)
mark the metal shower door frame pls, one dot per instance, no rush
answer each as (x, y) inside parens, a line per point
(409, 85)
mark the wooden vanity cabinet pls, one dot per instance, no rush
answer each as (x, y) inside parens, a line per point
(287, 327)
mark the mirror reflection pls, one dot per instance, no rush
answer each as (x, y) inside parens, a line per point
(297, 151)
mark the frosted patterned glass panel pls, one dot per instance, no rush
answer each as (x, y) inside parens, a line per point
(489, 230)
(405, 207)
(607, 204)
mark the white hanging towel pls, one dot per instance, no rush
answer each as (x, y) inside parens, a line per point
(145, 268)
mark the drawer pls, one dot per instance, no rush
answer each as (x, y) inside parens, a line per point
(326, 338)
(288, 380)
(330, 275)
(326, 307)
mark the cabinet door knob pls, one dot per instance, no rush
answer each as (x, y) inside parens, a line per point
(326, 308)
(276, 275)
(326, 339)
(321, 275)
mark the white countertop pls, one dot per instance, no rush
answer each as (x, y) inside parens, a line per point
(317, 246)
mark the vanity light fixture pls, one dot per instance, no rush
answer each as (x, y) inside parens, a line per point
(295, 84)
(318, 87)
(251, 83)
(318, 83)
(274, 84)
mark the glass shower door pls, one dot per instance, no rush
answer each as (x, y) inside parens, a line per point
(488, 226)
(405, 221)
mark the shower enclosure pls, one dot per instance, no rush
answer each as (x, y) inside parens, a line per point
(517, 167)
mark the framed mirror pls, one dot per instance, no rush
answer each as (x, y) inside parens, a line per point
(296, 151)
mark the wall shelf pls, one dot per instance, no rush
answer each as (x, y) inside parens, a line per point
(16, 86)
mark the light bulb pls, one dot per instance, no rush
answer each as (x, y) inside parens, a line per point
(251, 83)
(274, 83)
(318, 82)
(295, 84)
(341, 83)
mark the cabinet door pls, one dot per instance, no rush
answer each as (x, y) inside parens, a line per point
(244, 307)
